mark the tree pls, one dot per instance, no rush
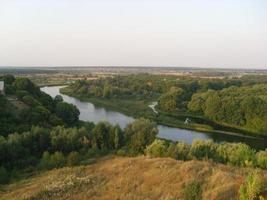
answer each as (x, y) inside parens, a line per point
(101, 135)
(73, 158)
(140, 133)
(107, 92)
(9, 79)
(57, 160)
(118, 138)
(68, 112)
(58, 99)
(25, 84)
(4, 177)
(45, 161)
(172, 99)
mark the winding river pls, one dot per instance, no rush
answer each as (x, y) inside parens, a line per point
(89, 112)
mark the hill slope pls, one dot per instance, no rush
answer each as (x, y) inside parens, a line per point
(131, 178)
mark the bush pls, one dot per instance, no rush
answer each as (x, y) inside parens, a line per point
(203, 149)
(179, 151)
(29, 100)
(57, 160)
(193, 191)
(73, 158)
(45, 161)
(157, 149)
(250, 189)
(262, 159)
(241, 155)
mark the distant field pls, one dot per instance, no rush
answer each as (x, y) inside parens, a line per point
(131, 179)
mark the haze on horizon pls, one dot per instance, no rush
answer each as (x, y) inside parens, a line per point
(182, 33)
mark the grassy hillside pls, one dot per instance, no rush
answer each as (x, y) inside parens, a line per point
(132, 178)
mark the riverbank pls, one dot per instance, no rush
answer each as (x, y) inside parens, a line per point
(140, 108)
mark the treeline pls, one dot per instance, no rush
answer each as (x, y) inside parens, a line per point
(25, 105)
(236, 154)
(238, 106)
(49, 148)
(236, 102)
(142, 86)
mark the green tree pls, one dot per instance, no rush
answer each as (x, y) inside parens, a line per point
(45, 161)
(140, 133)
(118, 137)
(4, 176)
(68, 112)
(57, 160)
(58, 99)
(101, 135)
(73, 158)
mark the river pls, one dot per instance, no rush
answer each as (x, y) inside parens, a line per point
(89, 112)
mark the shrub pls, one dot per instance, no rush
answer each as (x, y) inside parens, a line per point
(193, 191)
(73, 158)
(251, 188)
(203, 149)
(157, 149)
(57, 160)
(179, 151)
(241, 155)
(45, 161)
(262, 159)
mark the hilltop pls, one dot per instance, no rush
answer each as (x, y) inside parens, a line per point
(140, 177)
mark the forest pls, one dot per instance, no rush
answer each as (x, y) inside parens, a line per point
(238, 104)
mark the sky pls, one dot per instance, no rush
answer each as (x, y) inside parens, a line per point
(185, 33)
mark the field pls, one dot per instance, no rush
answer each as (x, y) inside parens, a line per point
(115, 177)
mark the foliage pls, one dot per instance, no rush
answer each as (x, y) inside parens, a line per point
(68, 112)
(193, 191)
(251, 188)
(238, 106)
(262, 159)
(157, 149)
(29, 106)
(236, 154)
(179, 151)
(140, 134)
(4, 176)
(203, 149)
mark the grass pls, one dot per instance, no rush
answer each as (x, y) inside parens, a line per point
(141, 177)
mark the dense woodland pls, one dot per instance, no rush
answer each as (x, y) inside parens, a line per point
(25, 105)
(234, 102)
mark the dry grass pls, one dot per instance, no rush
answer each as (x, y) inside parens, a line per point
(132, 179)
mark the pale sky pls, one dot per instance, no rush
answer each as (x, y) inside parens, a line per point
(186, 33)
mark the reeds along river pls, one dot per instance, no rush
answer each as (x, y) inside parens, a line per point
(90, 112)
